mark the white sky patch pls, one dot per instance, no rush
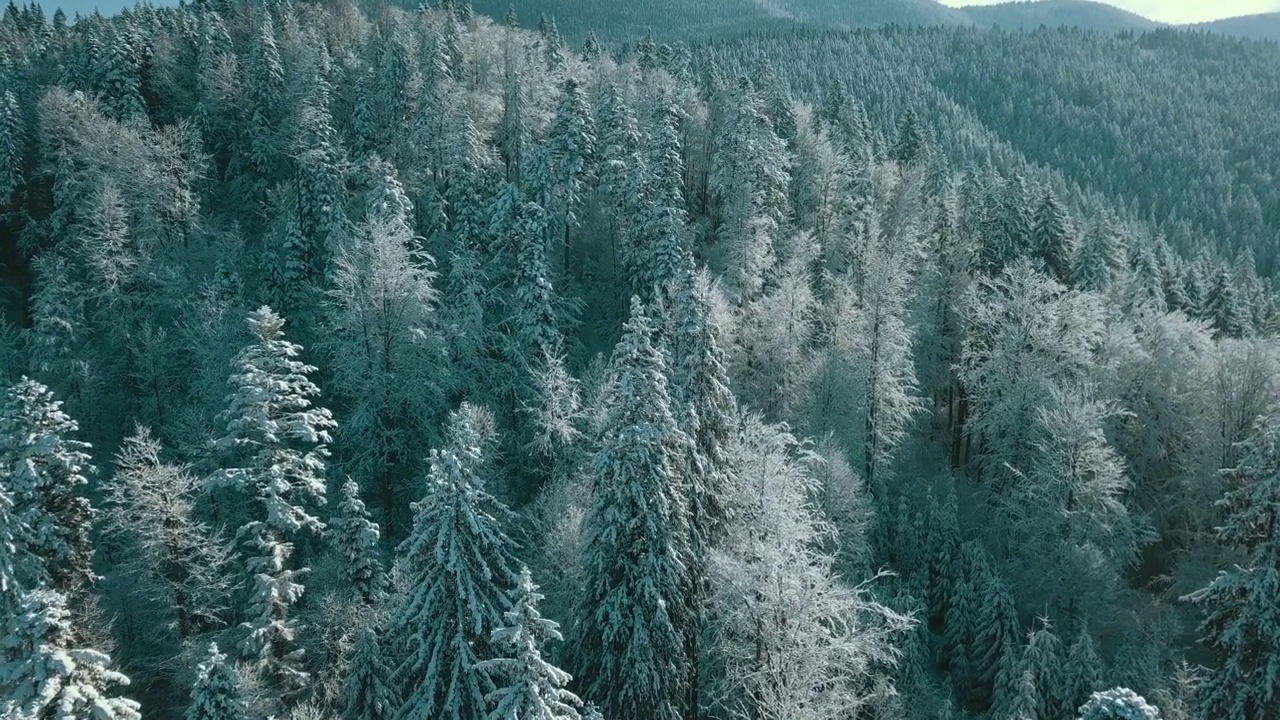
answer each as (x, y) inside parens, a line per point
(1173, 11)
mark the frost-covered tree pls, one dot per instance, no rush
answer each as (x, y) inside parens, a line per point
(795, 642)
(663, 218)
(457, 566)
(47, 471)
(1068, 506)
(1082, 670)
(1118, 704)
(368, 692)
(216, 692)
(634, 608)
(44, 675)
(355, 537)
(1026, 337)
(1240, 604)
(386, 363)
(180, 557)
(1041, 661)
(529, 687)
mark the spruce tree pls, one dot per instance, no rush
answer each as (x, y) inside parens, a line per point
(529, 687)
(1240, 604)
(46, 470)
(216, 693)
(910, 142)
(1099, 258)
(276, 445)
(44, 675)
(368, 694)
(1081, 670)
(457, 566)
(1224, 306)
(11, 140)
(355, 537)
(1051, 238)
(1042, 662)
(996, 630)
(634, 608)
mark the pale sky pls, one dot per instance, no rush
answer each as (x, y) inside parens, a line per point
(1173, 11)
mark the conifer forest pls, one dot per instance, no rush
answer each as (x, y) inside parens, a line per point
(647, 360)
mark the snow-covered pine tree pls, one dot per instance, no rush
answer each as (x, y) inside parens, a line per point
(621, 174)
(964, 614)
(1100, 256)
(47, 470)
(355, 537)
(1082, 670)
(368, 692)
(512, 133)
(750, 177)
(529, 687)
(1052, 238)
(42, 673)
(910, 141)
(996, 630)
(216, 692)
(564, 165)
(1042, 662)
(275, 440)
(663, 219)
(1225, 308)
(634, 608)
(704, 405)
(12, 532)
(1118, 704)
(11, 141)
(265, 91)
(457, 566)
(1240, 604)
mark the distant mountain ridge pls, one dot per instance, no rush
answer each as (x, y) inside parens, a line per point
(1084, 14)
(1254, 27)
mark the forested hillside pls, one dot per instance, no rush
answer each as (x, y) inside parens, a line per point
(409, 364)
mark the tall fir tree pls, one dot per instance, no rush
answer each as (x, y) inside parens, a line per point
(276, 442)
(368, 694)
(457, 566)
(1240, 624)
(634, 608)
(44, 675)
(47, 472)
(529, 687)
(1052, 238)
(216, 692)
(355, 537)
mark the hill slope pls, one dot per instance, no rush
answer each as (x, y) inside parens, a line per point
(1083, 14)
(1253, 27)
(677, 19)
